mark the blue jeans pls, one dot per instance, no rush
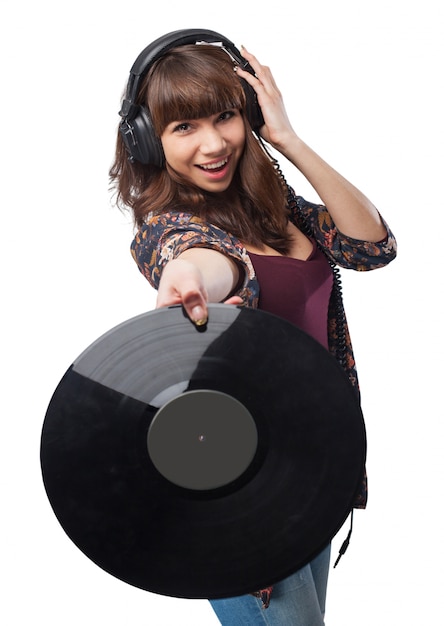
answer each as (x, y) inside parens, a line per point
(299, 600)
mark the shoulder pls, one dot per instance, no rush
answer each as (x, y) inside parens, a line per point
(180, 230)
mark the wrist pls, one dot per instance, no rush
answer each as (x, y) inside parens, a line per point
(290, 146)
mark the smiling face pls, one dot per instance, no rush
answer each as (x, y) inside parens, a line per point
(195, 100)
(206, 151)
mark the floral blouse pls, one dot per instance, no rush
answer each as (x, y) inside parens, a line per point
(164, 237)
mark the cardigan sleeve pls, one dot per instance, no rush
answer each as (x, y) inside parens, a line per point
(164, 237)
(343, 250)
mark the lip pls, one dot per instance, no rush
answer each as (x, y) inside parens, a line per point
(215, 169)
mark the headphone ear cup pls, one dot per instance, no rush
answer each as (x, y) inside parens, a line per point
(252, 108)
(141, 140)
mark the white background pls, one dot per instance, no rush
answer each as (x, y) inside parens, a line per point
(363, 84)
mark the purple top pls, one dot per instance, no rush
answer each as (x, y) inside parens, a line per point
(298, 291)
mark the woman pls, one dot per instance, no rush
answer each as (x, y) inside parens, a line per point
(218, 223)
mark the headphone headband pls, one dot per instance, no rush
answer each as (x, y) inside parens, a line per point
(135, 127)
(181, 38)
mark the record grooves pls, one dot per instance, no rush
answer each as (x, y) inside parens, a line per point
(203, 464)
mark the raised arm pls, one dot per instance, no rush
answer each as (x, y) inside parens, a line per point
(352, 212)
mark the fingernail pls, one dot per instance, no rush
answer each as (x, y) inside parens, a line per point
(198, 316)
(201, 322)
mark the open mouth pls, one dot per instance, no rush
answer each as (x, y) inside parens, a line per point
(215, 167)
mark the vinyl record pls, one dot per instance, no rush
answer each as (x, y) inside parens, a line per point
(203, 463)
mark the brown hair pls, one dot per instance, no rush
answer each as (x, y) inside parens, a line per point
(190, 82)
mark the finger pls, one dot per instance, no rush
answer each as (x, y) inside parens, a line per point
(234, 300)
(249, 56)
(252, 61)
(192, 300)
(196, 308)
(261, 71)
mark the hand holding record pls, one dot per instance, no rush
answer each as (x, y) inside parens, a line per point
(184, 282)
(203, 464)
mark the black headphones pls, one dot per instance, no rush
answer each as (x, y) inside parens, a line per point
(136, 127)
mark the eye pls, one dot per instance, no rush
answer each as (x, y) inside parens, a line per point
(227, 115)
(181, 128)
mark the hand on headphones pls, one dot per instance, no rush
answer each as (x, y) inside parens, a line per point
(277, 130)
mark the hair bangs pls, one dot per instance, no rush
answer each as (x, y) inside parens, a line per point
(192, 82)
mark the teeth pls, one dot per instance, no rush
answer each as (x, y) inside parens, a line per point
(214, 166)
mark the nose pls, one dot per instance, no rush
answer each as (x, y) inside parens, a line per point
(212, 141)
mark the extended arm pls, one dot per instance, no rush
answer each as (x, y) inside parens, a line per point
(198, 276)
